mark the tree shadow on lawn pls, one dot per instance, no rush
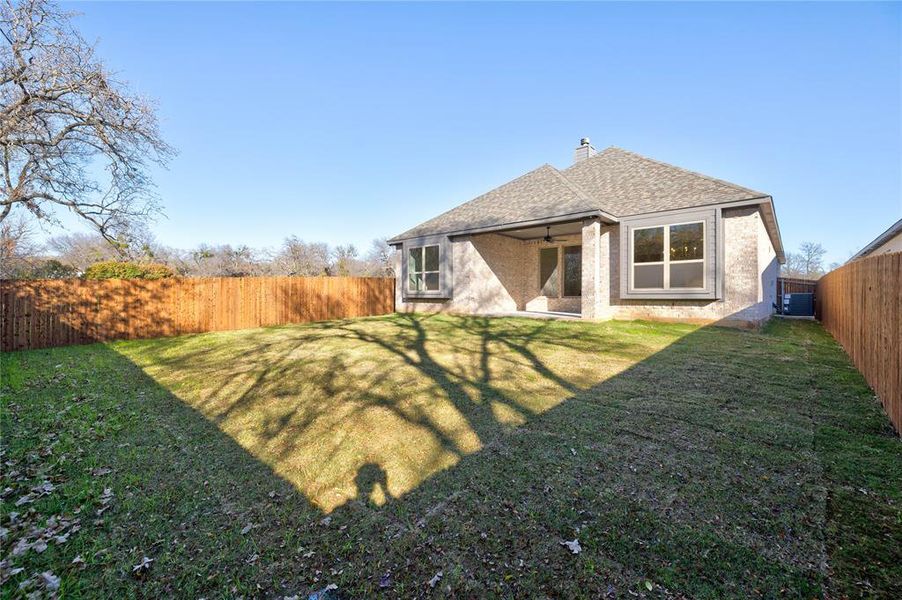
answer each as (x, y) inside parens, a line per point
(679, 457)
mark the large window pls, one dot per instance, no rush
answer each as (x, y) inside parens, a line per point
(669, 257)
(548, 273)
(423, 269)
(573, 271)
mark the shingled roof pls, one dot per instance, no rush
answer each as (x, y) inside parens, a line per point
(615, 183)
(625, 183)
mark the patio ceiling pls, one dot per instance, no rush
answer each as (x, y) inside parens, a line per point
(538, 232)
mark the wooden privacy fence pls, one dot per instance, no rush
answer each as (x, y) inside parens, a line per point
(860, 304)
(49, 313)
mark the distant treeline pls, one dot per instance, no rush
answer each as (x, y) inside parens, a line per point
(72, 255)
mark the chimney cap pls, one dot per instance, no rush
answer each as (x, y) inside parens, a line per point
(584, 141)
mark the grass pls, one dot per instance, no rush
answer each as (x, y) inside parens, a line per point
(375, 453)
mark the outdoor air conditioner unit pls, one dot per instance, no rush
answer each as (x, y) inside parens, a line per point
(798, 305)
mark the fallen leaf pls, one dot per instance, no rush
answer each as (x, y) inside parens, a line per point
(323, 594)
(573, 546)
(142, 567)
(21, 547)
(385, 581)
(43, 489)
(51, 581)
(649, 585)
(435, 579)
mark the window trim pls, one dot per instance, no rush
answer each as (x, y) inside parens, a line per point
(445, 275)
(667, 260)
(424, 272)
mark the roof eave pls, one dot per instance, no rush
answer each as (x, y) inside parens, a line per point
(773, 230)
(878, 241)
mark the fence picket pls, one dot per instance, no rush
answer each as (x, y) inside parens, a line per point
(860, 304)
(51, 313)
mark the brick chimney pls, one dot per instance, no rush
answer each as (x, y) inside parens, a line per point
(584, 150)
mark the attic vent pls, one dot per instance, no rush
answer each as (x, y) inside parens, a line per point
(584, 150)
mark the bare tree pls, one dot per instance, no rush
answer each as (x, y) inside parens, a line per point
(222, 261)
(64, 118)
(18, 250)
(297, 257)
(345, 262)
(81, 250)
(812, 259)
(807, 263)
(379, 261)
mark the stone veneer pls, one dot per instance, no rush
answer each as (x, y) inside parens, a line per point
(497, 274)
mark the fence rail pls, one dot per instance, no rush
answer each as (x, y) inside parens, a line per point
(860, 304)
(50, 313)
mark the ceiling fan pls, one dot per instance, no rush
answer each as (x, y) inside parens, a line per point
(548, 239)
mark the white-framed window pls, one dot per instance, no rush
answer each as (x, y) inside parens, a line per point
(668, 257)
(423, 268)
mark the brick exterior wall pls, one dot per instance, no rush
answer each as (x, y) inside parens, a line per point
(494, 274)
(749, 285)
(498, 274)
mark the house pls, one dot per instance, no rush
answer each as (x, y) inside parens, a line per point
(614, 235)
(888, 241)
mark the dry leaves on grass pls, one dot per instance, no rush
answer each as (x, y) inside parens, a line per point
(435, 579)
(141, 569)
(573, 546)
(50, 581)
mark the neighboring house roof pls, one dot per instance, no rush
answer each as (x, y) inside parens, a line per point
(894, 230)
(613, 183)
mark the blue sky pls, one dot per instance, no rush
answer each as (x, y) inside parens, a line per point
(346, 122)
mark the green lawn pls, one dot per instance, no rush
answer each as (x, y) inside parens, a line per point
(374, 454)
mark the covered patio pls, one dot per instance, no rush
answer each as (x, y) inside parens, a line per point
(533, 271)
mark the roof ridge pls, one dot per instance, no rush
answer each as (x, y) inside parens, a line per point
(688, 171)
(497, 187)
(572, 185)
